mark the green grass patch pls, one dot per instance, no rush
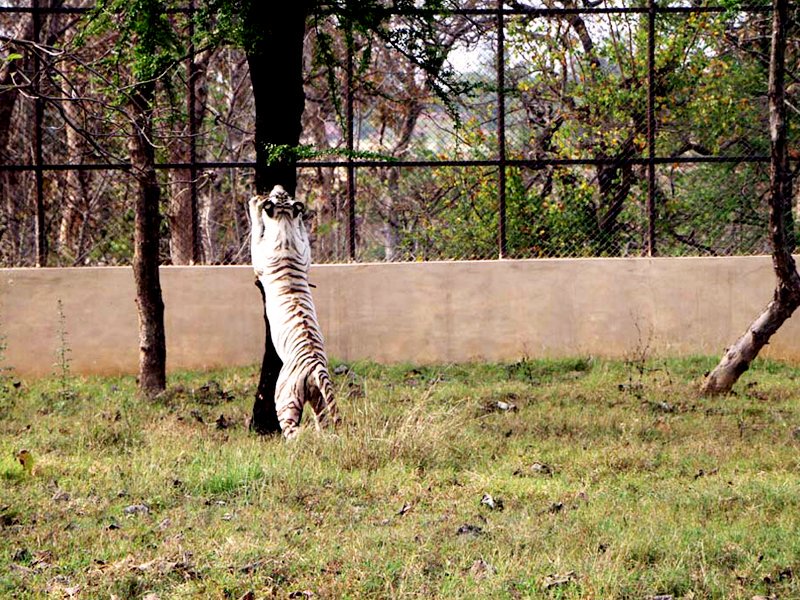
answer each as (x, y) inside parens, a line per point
(574, 478)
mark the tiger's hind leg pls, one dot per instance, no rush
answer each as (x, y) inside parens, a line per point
(320, 395)
(289, 398)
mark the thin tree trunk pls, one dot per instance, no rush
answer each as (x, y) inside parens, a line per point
(183, 214)
(149, 303)
(275, 57)
(180, 215)
(786, 298)
(75, 208)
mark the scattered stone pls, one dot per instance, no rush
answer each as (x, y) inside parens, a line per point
(468, 529)
(60, 496)
(21, 555)
(22, 569)
(480, 569)
(783, 575)
(136, 509)
(661, 597)
(541, 469)
(165, 524)
(73, 591)
(57, 584)
(222, 422)
(404, 509)
(702, 473)
(227, 517)
(165, 567)
(252, 567)
(557, 580)
(151, 596)
(8, 517)
(341, 370)
(506, 406)
(491, 406)
(211, 394)
(492, 503)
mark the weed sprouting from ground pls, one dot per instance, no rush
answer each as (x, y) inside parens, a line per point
(432, 487)
(63, 394)
(63, 357)
(643, 371)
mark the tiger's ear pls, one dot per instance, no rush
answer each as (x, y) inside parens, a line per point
(269, 208)
(298, 208)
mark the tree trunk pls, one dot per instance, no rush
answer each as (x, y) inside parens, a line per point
(181, 217)
(75, 204)
(265, 418)
(275, 56)
(786, 298)
(149, 303)
(185, 247)
(614, 182)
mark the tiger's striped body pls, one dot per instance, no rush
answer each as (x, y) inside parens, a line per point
(281, 257)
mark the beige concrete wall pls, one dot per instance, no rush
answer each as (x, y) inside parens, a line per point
(420, 312)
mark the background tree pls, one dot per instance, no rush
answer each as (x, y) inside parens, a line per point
(147, 48)
(786, 297)
(277, 86)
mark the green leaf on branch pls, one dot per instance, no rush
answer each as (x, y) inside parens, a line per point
(281, 153)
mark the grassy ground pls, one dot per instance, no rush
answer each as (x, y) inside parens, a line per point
(608, 480)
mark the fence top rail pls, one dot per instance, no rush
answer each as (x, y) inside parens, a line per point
(506, 11)
(509, 162)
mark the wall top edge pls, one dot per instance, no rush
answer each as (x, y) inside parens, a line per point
(504, 261)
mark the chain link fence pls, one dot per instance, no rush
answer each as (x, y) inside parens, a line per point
(555, 129)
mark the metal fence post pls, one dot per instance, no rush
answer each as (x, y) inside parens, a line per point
(38, 118)
(501, 132)
(191, 74)
(351, 171)
(651, 128)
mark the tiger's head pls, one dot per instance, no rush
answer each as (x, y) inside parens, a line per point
(283, 221)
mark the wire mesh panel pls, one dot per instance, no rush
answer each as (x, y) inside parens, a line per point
(409, 214)
(466, 130)
(715, 209)
(560, 212)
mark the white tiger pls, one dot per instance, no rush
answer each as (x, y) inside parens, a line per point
(281, 257)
